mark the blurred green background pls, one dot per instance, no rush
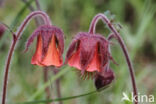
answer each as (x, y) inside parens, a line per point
(137, 18)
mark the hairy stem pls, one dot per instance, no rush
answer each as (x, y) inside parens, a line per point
(38, 8)
(43, 15)
(31, 8)
(122, 44)
(15, 39)
(57, 85)
(7, 71)
(47, 90)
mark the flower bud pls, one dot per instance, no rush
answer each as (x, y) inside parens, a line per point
(104, 79)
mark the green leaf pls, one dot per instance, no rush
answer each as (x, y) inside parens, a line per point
(52, 79)
(59, 99)
(20, 13)
(65, 98)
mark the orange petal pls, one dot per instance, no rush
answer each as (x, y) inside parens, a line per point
(95, 63)
(53, 55)
(74, 61)
(38, 53)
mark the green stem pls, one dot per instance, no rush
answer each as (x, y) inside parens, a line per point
(51, 81)
(60, 99)
(65, 98)
(55, 71)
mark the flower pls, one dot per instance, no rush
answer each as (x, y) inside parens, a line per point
(88, 52)
(50, 46)
(103, 79)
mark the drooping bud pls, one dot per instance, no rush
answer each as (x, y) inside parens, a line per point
(104, 79)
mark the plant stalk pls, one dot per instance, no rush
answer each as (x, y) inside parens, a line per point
(15, 39)
(123, 47)
(47, 90)
(7, 71)
(55, 71)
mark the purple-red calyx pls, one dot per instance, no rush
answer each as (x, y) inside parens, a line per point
(88, 53)
(50, 46)
(104, 78)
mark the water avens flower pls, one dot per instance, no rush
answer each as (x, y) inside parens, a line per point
(44, 43)
(88, 52)
(115, 34)
(91, 52)
(50, 46)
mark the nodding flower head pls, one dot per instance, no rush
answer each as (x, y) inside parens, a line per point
(50, 46)
(2, 30)
(103, 79)
(88, 52)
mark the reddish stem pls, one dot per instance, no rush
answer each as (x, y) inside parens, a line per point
(15, 39)
(122, 44)
(7, 71)
(55, 71)
(47, 90)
